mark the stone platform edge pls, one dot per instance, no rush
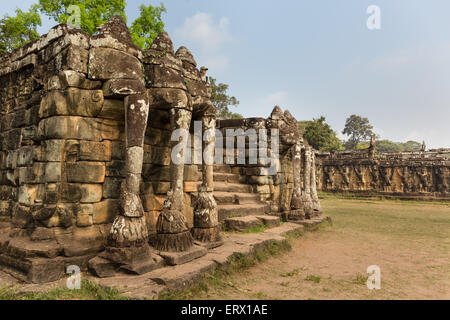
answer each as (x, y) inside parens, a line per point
(151, 285)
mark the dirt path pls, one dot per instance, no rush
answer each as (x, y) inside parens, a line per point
(409, 241)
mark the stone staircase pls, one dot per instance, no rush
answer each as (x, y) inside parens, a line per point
(234, 197)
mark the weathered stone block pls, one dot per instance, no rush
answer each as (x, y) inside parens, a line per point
(95, 151)
(34, 174)
(84, 216)
(53, 172)
(191, 173)
(71, 127)
(116, 88)
(241, 223)
(86, 172)
(191, 186)
(73, 102)
(27, 194)
(115, 168)
(70, 78)
(165, 98)
(113, 109)
(159, 156)
(73, 58)
(105, 211)
(5, 208)
(111, 187)
(125, 66)
(270, 221)
(177, 258)
(102, 268)
(81, 241)
(21, 216)
(153, 202)
(90, 193)
(42, 234)
(25, 157)
(45, 270)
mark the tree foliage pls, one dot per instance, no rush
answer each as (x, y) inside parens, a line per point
(319, 135)
(387, 145)
(18, 30)
(148, 25)
(93, 12)
(358, 129)
(21, 29)
(222, 101)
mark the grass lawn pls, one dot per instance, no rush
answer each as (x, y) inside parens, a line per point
(408, 240)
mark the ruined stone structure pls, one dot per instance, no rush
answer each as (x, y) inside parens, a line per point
(88, 127)
(416, 175)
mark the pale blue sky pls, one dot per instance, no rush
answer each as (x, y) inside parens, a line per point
(317, 57)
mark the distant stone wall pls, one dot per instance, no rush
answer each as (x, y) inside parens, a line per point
(423, 175)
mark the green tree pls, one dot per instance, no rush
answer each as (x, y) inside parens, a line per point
(320, 136)
(222, 101)
(93, 12)
(147, 27)
(387, 145)
(412, 146)
(18, 30)
(96, 12)
(358, 129)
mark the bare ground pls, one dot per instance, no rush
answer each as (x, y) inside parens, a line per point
(409, 241)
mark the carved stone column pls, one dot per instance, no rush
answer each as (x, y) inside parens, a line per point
(306, 194)
(129, 227)
(206, 219)
(317, 210)
(173, 233)
(297, 212)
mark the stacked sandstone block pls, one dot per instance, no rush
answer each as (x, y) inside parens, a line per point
(275, 187)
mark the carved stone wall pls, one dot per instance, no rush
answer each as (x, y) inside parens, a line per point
(424, 174)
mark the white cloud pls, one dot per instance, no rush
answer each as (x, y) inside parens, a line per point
(201, 30)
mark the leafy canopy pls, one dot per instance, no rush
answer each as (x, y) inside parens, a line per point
(19, 30)
(93, 12)
(148, 26)
(358, 129)
(387, 145)
(222, 101)
(319, 135)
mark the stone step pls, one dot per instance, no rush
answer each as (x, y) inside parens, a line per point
(228, 177)
(222, 168)
(236, 197)
(234, 187)
(241, 224)
(270, 221)
(236, 210)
